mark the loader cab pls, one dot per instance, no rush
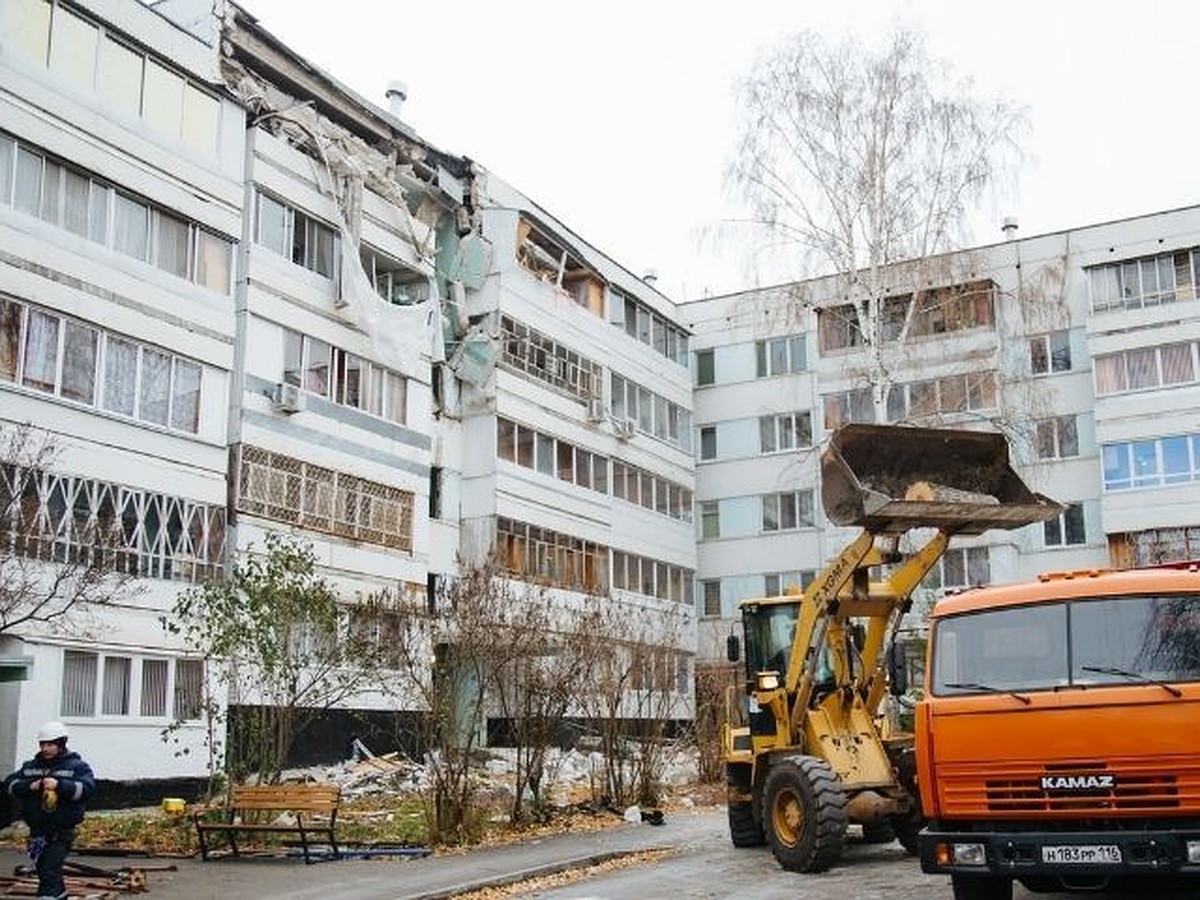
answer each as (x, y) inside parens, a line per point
(769, 629)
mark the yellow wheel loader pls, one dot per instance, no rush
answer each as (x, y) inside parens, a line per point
(807, 752)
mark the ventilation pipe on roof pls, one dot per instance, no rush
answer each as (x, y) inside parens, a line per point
(397, 93)
(650, 276)
(1009, 227)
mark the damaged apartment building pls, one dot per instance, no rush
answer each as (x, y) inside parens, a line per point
(237, 299)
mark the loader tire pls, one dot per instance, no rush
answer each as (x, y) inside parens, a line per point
(744, 829)
(804, 811)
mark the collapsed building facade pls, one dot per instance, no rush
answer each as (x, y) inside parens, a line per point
(238, 299)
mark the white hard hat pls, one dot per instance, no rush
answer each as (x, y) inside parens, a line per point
(52, 731)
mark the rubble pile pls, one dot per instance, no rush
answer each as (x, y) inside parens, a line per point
(571, 776)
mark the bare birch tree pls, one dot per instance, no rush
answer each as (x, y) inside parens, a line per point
(853, 160)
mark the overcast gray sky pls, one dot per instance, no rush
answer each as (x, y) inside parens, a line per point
(617, 116)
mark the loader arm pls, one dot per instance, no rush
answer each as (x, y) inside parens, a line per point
(812, 756)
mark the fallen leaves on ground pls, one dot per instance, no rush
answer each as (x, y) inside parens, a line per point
(562, 879)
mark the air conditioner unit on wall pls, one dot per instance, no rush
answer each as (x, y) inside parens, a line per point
(624, 428)
(595, 409)
(288, 398)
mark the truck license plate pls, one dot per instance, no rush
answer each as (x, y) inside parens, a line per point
(1103, 854)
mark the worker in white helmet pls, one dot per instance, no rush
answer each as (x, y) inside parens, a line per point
(51, 789)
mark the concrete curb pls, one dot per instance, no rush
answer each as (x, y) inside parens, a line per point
(542, 871)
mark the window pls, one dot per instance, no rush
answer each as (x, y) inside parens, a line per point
(189, 688)
(1152, 462)
(1056, 438)
(951, 394)
(712, 598)
(848, 406)
(784, 432)
(119, 78)
(963, 567)
(83, 205)
(304, 240)
(1067, 528)
(550, 557)
(79, 683)
(1167, 365)
(787, 511)
(341, 376)
(154, 687)
(710, 519)
(1149, 281)
(77, 362)
(392, 280)
(644, 325)
(780, 356)
(838, 328)
(934, 311)
(527, 350)
(117, 671)
(708, 442)
(777, 584)
(83, 52)
(1049, 353)
(705, 367)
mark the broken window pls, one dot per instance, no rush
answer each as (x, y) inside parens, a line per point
(529, 351)
(838, 328)
(549, 261)
(393, 281)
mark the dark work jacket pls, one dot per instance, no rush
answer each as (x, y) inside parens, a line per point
(75, 784)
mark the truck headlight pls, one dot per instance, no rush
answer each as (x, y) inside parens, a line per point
(961, 855)
(1193, 852)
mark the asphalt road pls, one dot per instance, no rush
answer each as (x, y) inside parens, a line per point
(700, 862)
(708, 866)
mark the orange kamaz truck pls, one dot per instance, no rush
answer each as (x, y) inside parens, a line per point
(1058, 740)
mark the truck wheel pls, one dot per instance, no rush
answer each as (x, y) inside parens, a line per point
(979, 887)
(744, 830)
(907, 828)
(805, 814)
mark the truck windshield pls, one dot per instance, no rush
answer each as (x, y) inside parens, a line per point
(769, 631)
(1071, 643)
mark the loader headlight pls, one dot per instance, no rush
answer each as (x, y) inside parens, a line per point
(768, 681)
(1193, 852)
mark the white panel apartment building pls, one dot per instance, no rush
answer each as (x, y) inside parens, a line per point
(217, 274)
(240, 299)
(1081, 346)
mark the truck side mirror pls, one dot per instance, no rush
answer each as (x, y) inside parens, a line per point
(733, 648)
(897, 665)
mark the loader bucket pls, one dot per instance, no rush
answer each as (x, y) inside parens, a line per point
(891, 478)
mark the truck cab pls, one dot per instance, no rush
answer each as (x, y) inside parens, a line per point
(1057, 740)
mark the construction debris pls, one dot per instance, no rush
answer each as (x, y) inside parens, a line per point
(83, 881)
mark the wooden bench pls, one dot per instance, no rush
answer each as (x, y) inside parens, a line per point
(305, 801)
